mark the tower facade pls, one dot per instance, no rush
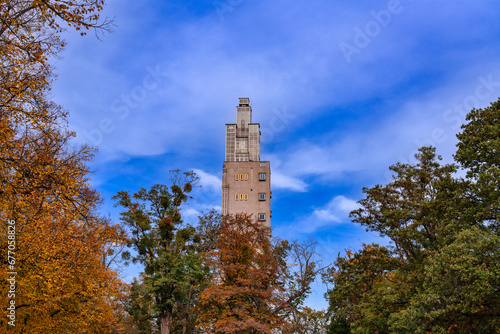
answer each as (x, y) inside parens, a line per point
(246, 181)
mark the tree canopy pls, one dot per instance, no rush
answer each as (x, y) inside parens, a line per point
(255, 289)
(439, 273)
(169, 250)
(64, 281)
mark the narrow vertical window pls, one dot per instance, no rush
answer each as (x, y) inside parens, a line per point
(236, 197)
(246, 197)
(246, 177)
(237, 177)
(241, 177)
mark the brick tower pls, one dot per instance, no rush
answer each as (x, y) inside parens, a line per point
(246, 181)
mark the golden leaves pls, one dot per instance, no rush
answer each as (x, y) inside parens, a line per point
(65, 284)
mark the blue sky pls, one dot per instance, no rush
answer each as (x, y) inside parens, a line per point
(341, 89)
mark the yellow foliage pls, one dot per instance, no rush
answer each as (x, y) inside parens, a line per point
(62, 281)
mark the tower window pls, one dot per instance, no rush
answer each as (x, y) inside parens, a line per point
(236, 197)
(262, 176)
(262, 216)
(241, 177)
(262, 196)
(237, 177)
(246, 197)
(246, 177)
(241, 197)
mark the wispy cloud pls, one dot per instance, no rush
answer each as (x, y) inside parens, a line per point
(280, 181)
(299, 66)
(155, 95)
(208, 180)
(336, 210)
(208, 196)
(330, 215)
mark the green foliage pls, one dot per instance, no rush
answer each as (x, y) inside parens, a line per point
(139, 307)
(169, 250)
(404, 210)
(479, 142)
(478, 151)
(339, 325)
(441, 272)
(459, 291)
(208, 230)
(366, 290)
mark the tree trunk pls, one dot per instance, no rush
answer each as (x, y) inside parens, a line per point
(166, 321)
(188, 305)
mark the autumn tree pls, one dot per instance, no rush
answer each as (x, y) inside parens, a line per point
(64, 282)
(166, 247)
(254, 290)
(250, 277)
(30, 35)
(309, 321)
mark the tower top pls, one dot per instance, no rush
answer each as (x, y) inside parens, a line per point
(244, 102)
(243, 137)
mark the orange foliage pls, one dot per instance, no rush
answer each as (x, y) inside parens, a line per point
(63, 282)
(248, 289)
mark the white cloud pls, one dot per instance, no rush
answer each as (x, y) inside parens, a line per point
(298, 66)
(281, 181)
(208, 180)
(191, 212)
(336, 210)
(432, 118)
(207, 196)
(333, 213)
